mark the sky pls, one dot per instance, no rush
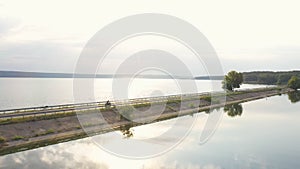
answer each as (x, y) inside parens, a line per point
(48, 36)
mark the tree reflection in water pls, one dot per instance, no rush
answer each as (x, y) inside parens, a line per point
(233, 110)
(127, 131)
(294, 97)
(212, 109)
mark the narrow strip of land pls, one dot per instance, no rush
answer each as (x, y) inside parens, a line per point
(22, 129)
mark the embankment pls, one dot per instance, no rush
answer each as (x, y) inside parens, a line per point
(23, 133)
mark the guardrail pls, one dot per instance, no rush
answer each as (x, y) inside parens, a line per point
(64, 108)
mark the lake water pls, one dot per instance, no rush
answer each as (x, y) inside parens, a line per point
(261, 134)
(27, 92)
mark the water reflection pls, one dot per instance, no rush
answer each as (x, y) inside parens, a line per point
(212, 110)
(246, 142)
(233, 110)
(50, 158)
(294, 97)
(127, 131)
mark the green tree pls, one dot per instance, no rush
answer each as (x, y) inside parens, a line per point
(294, 83)
(268, 79)
(233, 110)
(283, 79)
(294, 97)
(232, 80)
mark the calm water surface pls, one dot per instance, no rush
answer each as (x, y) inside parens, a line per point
(28, 92)
(262, 134)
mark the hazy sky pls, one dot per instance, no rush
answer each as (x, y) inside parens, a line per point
(247, 35)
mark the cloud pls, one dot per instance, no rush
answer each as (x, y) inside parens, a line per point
(42, 55)
(40, 159)
(229, 31)
(273, 58)
(7, 24)
(176, 165)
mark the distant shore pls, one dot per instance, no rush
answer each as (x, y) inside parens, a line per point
(252, 77)
(20, 74)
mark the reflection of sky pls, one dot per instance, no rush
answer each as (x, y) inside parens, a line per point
(27, 92)
(265, 136)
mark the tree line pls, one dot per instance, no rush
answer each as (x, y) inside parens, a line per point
(269, 77)
(234, 79)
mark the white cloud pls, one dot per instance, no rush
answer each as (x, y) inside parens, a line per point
(238, 30)
(38, 56)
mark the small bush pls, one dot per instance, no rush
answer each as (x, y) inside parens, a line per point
(174, 101)
(191, 105)
(18, 137)
(206, 98)
(2, 139)
(50, 131)
(37, 134)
